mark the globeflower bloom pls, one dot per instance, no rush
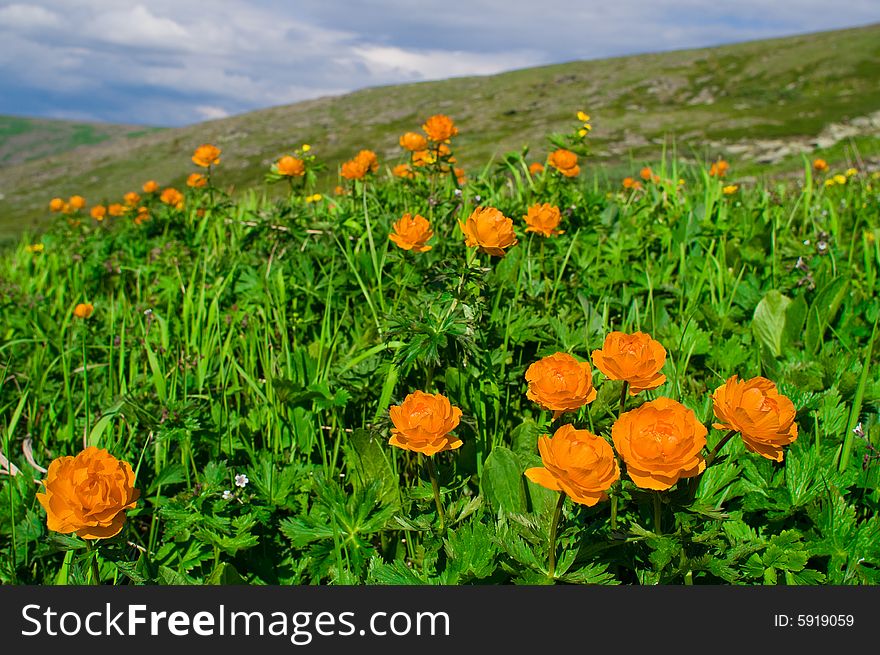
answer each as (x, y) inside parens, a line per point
(83, 310)
(116, 209)
(353, 170)
(150, 186)
(413, 141)
(820, 165)
(660, 443)
(412, 233)
(576, 462)
(88, 494)
(196, 181)
(56, 205)
(173, 197)
(440, 128)
(536, 168)
(131, 199)
(368, 159)
(76, 202)
(564, 161)
(206, 155)
(543, 219)
(423, 423)
(489, 230)
(290, 166)
(98, 212)
(718, 168)
(755, 408)
(560, 383)
(403, 171)
(634, 358)
(646, 174)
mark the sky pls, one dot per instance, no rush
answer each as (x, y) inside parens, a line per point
(178, 62)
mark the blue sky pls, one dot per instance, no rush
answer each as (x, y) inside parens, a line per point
(176, 62)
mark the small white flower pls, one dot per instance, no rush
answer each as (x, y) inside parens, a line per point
(227, 495)
(241, 480)
(859, 431)
(457, 193)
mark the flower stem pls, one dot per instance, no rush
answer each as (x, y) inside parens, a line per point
(711, 458)
(94, 572)
(551, 570)
(614, 512)
(623, 391)
(658, 530)
(435, 486)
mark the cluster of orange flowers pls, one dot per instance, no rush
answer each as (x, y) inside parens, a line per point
(360, 165)
(430, 149)
(486, 228)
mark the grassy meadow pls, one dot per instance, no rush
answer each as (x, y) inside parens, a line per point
(242, 352)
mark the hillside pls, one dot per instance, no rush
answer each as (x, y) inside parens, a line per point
(760, 103)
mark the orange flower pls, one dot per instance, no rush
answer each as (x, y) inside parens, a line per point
(98, 212)
(131, 198)
(196, 181)
(353, 170)
(536, 167)
(460, 176)
(646, 174)
(660, 443)
(719, 168)
(290, 166)
(630, 183)
(413, 141)
(565, 161)
(412, 233)
(143, 215)
(820, 165)
(76, 202)
(173, 197)
(206, 155)
(83, 310)
(489, 230)
(423, 158)
(635, 358)
(116, 209)
(543, 219)
(423, 422)
(368, 159)
(339, 190)
(88, 494)
(756, 410)
(150, 186)
(402, 170)
(56, 205)
(440, 128)
(576, 462)
(560, 383)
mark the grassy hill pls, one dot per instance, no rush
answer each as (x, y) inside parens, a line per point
(762, 104)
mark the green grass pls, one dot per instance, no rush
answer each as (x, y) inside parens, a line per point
(702, 100)
(263, 334)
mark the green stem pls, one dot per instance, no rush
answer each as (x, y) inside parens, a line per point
(623, 391)
(435, 486)
(614, 511)
(551, 571)
(94, 572)
(711, 458)
(658, 530)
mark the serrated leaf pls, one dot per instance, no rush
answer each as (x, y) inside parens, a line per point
(502, 481)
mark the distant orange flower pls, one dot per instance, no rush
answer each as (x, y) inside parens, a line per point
(423, 423)
(83, 310)
(489, 230)
(635, 358)
(173, 197)
(565, 161)
(536, 167)
(131, 198)
(150, 186)
(820, 165)
(339, 190)
(76, 202)
(646, 174)
(440, 128)
(543, 219)
(98, 212)
(412, 233)
(353, 170)
(143, 215)
(413, 141)
(630, 183)
(402, 170)
(116, 209)
(368, 159)
(718, 168)
(206, 155)
(460, 176)
(423, 158)
(290, 166)
(56, 204)
(196, 181)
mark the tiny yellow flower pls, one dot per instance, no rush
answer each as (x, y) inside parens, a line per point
(582, 132)
(851, 171)
(829, 182)
(314, 198)
(681, 181)
(840, 179)
(583, 117)
(875, 175)
(730, 189)
(35, 247)
(306, 147)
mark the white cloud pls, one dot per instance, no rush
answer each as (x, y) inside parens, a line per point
(27, 17)
(210, 112)
(432, 64)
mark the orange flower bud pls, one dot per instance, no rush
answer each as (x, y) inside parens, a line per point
(423, 422)
(660, 443)
(489, 230)
(576, 462)
(460, 176)
(98, 212)
(560, 383)
(413, 141)
(150, 186)
(290, 166)
(88, 494)
(196, 181)
(635, 358)
(756, 409)
(536, 167)
(206, 155)
(565, 161)
(412, 233)
(402, 170)
(83, 310)
(423, 158)
(440, 128)
(544, 219)
(820, 165)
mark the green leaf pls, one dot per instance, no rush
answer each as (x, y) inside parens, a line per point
(822, 311)
(366, 456)
(502, 481)
(768, 322)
